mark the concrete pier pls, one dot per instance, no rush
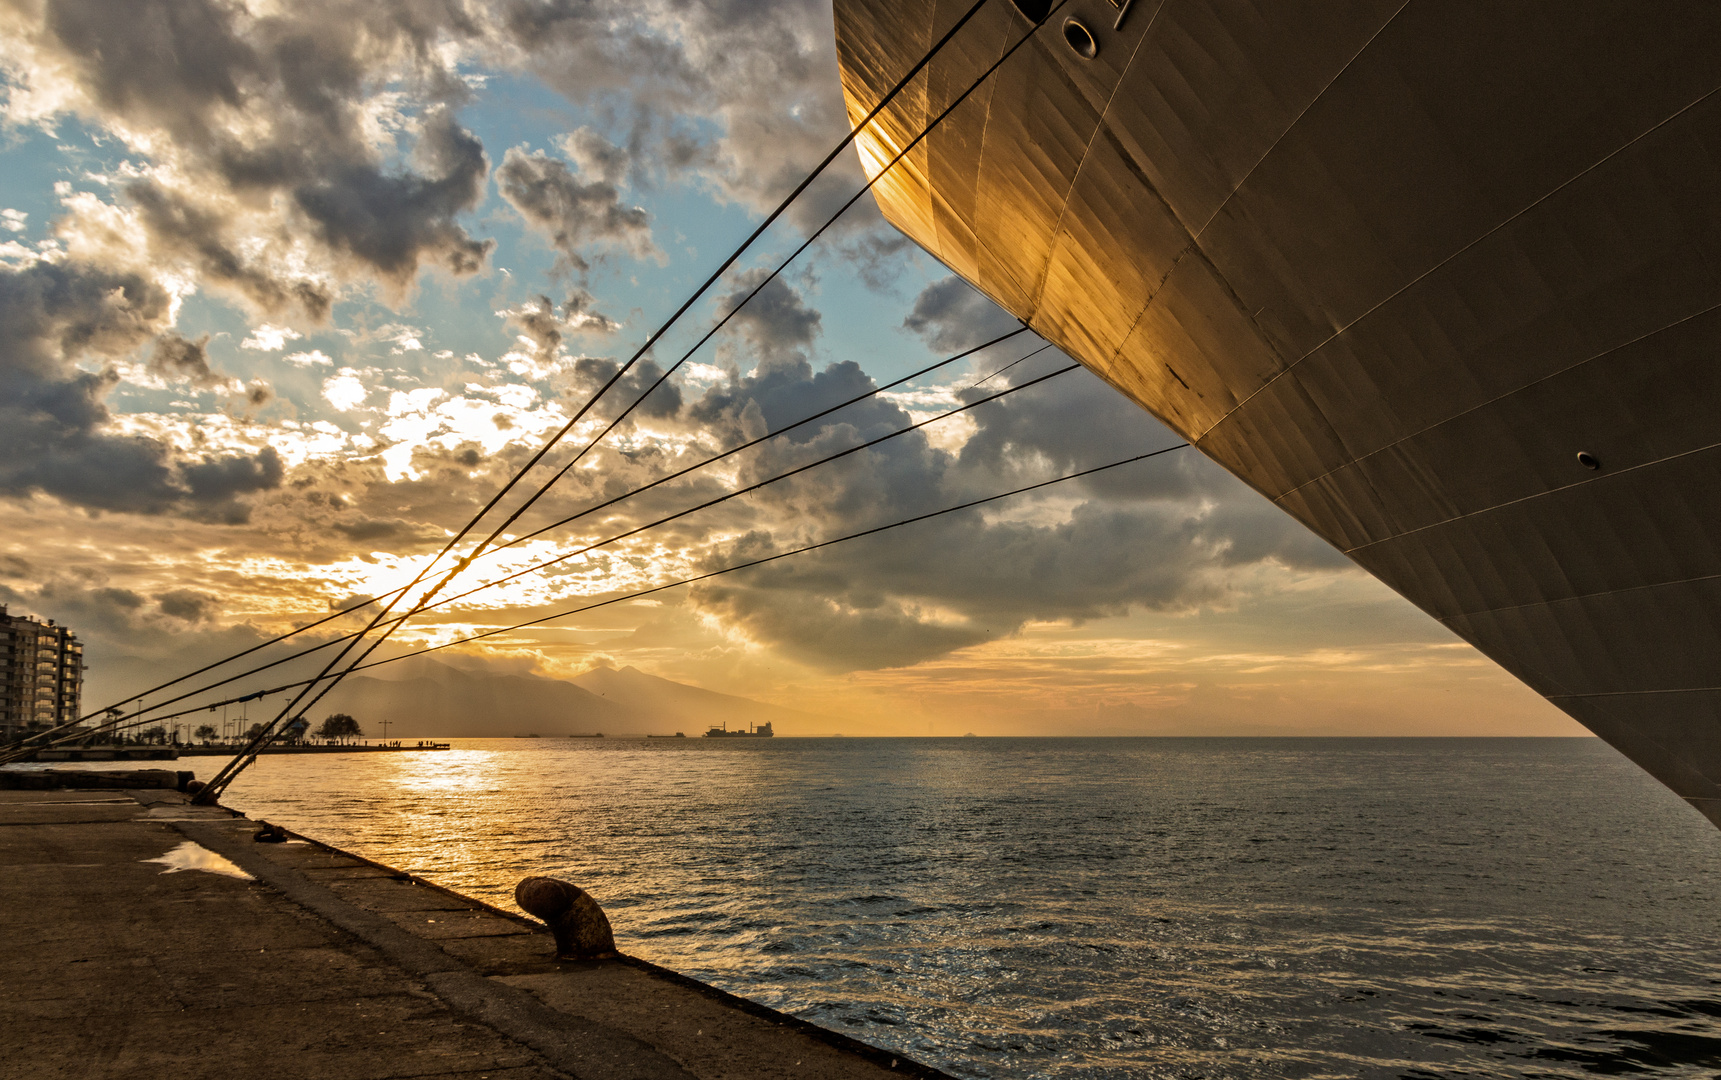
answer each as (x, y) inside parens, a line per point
(289, 960)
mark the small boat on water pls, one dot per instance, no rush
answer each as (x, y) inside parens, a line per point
(677, 735)
(721, 731)
(593, 735)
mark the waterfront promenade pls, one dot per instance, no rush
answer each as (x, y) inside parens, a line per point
(295, 960)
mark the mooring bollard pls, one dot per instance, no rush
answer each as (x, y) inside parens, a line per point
(582, 929)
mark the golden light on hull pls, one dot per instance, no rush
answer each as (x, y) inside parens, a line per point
(1437, 278)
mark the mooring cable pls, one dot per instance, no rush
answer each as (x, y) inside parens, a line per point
(246, 756)
(874, 392)
(333, 682)
(139, 717)
(697, 578)
(770, 219)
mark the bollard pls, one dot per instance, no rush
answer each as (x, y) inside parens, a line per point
(582, 929)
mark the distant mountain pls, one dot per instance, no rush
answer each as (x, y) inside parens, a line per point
(423, 699)
(679, 707)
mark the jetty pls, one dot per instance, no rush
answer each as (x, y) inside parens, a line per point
(175, 751)
(151, 937)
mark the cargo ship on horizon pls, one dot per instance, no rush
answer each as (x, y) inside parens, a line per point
(721, 731)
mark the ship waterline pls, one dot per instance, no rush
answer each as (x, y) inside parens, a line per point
(1441, 279)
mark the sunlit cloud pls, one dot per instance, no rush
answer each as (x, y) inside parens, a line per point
(344, 391)
(266, 338)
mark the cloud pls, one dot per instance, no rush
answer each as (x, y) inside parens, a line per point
(188, 605)
(740, 95)
(266, 338)
(344, 391)
(52, 412)
(180, 228)
(537, 323)
(316, 357)
(1176, 534)
(579, 314)
(595, 155)
(395, 220)
(575, 216)
(404, 339)
(950, 316)
(590, 373)
(269, 143)
(176, 358)
(777, 322)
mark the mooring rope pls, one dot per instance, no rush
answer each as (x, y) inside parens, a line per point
(247, 755)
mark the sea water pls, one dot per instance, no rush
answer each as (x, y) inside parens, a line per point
(1088, 908)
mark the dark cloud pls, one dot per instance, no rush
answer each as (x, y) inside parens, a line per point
(536, 320)
(52, 413)
(579, 314)
(393, 221)
(950, 316)
(777, 322)
(218, 481)
(119, 599)
(267, 127)
(597, 156)
(576, 216)
(877, 254)
(741, 93)
(1159, 535)
(819, 629)
(180, 227)
(188, 605)
(590, 373)
(777, 394)
(367, 529)
(177, 359)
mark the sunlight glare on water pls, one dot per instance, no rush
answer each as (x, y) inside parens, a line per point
(1087, 908)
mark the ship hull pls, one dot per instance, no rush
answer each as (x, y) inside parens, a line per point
(1395, 265)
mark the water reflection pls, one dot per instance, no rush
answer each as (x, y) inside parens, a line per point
(194, 856)
(1094, 908)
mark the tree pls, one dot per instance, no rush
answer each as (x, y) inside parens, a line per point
(339, 726)
(206, 733)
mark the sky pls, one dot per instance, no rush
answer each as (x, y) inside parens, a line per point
(289, 290)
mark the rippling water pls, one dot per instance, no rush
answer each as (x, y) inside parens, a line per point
(1105, 907)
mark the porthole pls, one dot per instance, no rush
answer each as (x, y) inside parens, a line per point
(1588, 460)
(1081, 39)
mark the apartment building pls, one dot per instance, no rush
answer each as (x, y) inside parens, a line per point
(41, 674)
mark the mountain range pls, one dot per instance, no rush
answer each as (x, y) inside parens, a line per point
(425, 699)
